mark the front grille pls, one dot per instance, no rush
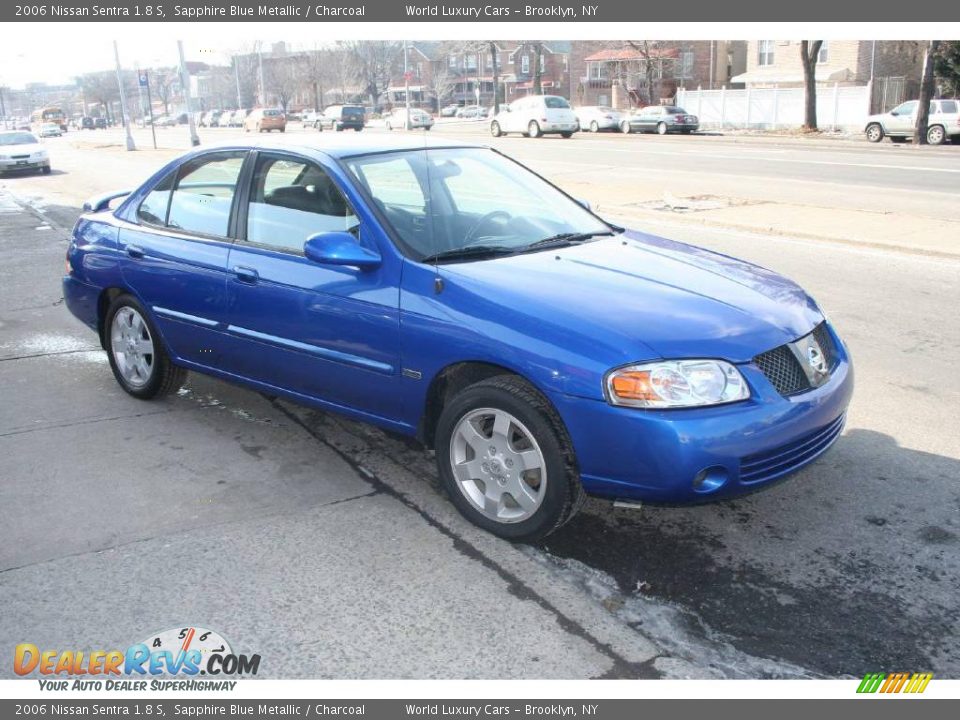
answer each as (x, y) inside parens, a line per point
(825, 341)
(789, 457)
(782, 369)
(20, 157)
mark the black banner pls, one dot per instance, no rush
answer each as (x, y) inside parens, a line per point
(493, 11)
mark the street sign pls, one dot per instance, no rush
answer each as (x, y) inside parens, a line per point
(142, 79)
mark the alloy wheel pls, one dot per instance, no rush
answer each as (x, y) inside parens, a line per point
(498, 465)
(132, 347)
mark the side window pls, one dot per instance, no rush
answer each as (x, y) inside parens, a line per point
(204, 194)
(905, 108)
(292, 200)
(948, 107)
(153, 209)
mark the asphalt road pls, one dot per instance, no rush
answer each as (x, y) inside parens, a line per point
(299, 532)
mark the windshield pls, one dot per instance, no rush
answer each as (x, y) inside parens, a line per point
(447, 200)
(19, 138)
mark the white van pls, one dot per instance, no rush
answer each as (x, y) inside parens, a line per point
(536, 115)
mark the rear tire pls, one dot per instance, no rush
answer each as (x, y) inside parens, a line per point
(521, 448)
(495, 129)
(137, 357)
(566, 135)
(46, 170)
(594, 127)
(661, 128)
(936, 135)
(625, 128)
(533, 129)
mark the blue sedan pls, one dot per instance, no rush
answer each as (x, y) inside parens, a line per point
(446, 292)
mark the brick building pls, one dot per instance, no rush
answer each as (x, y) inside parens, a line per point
(631, 73)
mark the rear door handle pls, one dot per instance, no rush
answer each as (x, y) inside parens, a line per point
(246, 274)
(135, 251)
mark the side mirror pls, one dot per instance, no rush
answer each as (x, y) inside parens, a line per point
(339, 248)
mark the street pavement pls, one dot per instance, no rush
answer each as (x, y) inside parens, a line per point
(328, 547)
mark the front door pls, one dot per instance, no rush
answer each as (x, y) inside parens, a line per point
(323, 331)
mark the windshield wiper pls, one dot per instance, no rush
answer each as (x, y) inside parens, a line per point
(566, 238)
(473, 251)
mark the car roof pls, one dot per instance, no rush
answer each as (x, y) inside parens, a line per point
(339, 146)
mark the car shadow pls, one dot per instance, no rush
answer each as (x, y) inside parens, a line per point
(849, 567)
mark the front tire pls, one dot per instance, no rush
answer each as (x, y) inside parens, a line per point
(594, 127)
(495, 129)
(661, 128)
(137, 357)
(533, 129)
(874, 132)
(506, 460)
(625, 128)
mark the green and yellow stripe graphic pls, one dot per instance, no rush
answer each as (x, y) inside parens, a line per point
(894, 682)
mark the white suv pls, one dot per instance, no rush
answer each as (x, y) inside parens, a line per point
(535, 116)
(943, 125)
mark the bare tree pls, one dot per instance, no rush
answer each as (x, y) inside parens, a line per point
(101, 89)
(926, 95)
(809, 52)
(282, 79)
(314, 64)
(161, 84)
(374, 62)
(494, 61)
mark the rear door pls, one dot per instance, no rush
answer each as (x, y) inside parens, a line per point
(175, 255)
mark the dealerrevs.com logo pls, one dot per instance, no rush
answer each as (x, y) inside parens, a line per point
(187, 658)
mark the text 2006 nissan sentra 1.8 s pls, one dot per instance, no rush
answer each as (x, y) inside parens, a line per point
(446, 292)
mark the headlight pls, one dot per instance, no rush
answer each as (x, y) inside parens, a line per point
(40, 153)
(676, 384)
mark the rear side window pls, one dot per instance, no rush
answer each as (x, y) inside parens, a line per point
(153, 209)
(203, 195)
(948, 106)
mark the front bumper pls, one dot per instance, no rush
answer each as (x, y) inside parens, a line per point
(656, 455)
(29, 164)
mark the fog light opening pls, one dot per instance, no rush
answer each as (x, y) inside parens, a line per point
(710, 479)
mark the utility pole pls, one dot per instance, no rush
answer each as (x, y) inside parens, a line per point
(185, 88)
(263, 91)
(236, 67)
(144, 80)
(123, 99)
(406, 86)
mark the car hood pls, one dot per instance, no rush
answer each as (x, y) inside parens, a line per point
(642, 297)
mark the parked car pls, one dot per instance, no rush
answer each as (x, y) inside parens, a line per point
(534, 116)
(542, 352)
(100, 123)
(472, 112)
(398, 119)
(265, 120)
(21, 150)
(86, 123)
(309, 118)
(210, 118)
(237, 117)
(598, 117)
(449, 110)
(341, 117)
(943, 123)
(49, 130)
(661, 119)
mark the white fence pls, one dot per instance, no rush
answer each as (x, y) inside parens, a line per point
(767, 108)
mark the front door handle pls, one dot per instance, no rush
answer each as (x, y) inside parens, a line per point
(246, 274)
(135, 251)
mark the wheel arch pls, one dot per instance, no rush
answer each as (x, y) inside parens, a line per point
(453, 378)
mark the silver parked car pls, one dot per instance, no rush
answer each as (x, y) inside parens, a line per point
(944, 122)
(598, 117)
(661, 119)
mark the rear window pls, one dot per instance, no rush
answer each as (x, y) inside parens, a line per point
(271, 113)
(353, 112)
(557, 103)
(675, 111)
